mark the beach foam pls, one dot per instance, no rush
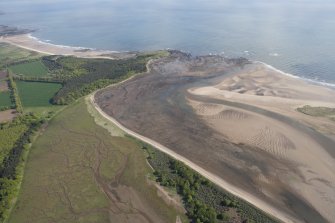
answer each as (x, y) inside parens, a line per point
(47, 42)
(75, 48)
(297, 77)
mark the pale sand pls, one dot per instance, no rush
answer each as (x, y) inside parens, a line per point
(315, 180)
(27, 42)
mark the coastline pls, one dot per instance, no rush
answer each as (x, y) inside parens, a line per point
(50, 49)
(30, 42)
(295, 76)
(259, 132)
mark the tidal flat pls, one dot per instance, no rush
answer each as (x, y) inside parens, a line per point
(238, 120)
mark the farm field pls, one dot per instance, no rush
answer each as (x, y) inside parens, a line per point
(5, 99)
(36, 94)
(78, 172)
(30, 69)
(10, 54)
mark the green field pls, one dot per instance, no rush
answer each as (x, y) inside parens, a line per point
(10, 54)
(37, 94)
(30, 69)
(5, 99)
(78, 172)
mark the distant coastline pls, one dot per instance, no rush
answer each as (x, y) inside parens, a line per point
(25, 39)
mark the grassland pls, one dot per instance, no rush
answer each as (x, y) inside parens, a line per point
(36, 94)
(30, 69)
(11, 54)
(78, 172)
(318, 111)
(5, 101)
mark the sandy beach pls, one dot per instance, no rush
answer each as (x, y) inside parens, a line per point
(262, 87)
(28, 42)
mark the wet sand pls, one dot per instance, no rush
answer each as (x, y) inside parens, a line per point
(239, 122)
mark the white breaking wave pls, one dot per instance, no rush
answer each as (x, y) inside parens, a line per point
(295, 76)
(47, 42)
(246, 52)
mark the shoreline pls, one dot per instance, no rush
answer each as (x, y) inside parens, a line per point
(325, 84)
(30, 42)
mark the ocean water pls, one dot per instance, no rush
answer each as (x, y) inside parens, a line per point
(296, 36)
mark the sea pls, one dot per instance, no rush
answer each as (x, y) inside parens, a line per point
(295, 36)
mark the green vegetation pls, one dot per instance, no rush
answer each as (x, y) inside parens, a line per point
(36, 94)
(11, 54)
(15, 138)
(8, 137)
(15, 95)
(5, 101)
(82, 76)
(30, 69)
(204, 201)
(73, 157)
(78, 172)
(318, 111)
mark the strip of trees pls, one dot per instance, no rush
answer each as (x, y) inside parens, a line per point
(14, 94)
(204, 201)
(10, 173)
